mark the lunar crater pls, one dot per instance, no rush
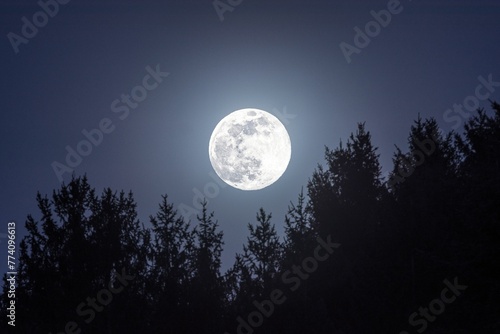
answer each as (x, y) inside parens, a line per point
(249, 149)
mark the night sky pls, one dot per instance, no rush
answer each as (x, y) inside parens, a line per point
(283, 57)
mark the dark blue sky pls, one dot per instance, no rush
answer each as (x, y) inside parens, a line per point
(276, 56)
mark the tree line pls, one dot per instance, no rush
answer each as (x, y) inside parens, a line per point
(360, 253)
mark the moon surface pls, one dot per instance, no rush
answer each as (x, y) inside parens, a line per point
(250, 149)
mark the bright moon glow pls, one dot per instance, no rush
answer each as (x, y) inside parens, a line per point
(250, 149)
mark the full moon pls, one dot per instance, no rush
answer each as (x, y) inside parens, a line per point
(249, 149)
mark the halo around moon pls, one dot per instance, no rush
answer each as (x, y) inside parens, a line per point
(249, 149)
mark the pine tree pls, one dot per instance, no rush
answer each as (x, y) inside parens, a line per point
(171, 258)
(344, 197)
(79, 247)
(262, 254)
(299, 233)
(476, 242)
(207, 294)
(345, 202)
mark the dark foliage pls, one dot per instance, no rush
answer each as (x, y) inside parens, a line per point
(360, 253)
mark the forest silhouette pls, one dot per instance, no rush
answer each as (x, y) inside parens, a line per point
(415, 252)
